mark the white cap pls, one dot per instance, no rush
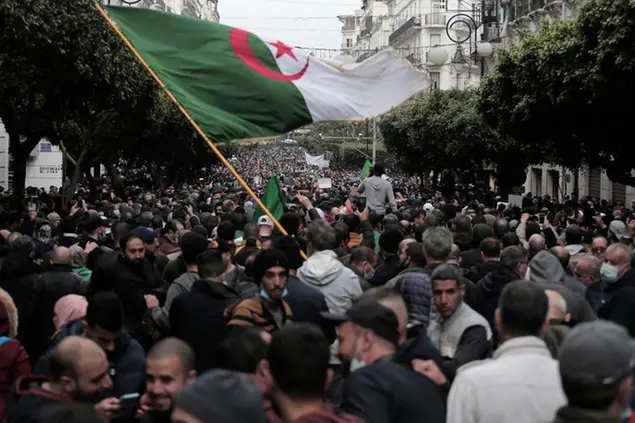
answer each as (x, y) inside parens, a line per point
(265, 221)
(428, 207)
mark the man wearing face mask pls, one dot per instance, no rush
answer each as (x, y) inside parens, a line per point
(618, 299)
(267, 310)
(363, 263)
(378, 389)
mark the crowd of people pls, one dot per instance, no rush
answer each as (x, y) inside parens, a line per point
(189, 305)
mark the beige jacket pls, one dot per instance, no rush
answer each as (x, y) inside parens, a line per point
(520, 384)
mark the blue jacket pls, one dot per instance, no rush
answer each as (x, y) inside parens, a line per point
(127, 362)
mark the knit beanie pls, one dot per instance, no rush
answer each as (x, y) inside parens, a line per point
(267, 259)
(222, 396)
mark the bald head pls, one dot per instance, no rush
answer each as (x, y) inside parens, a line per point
(619, 255)
(71, 353)
(562, 254)
(13, 236)
(62, 255)
(536, 242)
(393, 300)
(557, 306)
(174, 347)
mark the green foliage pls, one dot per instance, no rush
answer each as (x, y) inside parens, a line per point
(565, 93)
(442, 129)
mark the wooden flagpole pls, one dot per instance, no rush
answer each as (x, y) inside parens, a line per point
(211, 145)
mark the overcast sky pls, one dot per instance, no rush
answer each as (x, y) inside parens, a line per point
(286, 20)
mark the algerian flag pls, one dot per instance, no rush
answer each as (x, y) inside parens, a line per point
(236, 85)
(273, 199)
(365, 170)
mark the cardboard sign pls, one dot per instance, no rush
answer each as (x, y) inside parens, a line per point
(324, 183)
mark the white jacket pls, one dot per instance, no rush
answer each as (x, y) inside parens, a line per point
(338, 283)
(521, 384)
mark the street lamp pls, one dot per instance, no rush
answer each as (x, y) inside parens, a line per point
(469, 24)
(438, 55)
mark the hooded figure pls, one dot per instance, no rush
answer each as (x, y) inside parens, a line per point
(545, 269)
(14, 361)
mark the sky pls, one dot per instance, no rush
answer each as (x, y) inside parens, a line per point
(304, 23)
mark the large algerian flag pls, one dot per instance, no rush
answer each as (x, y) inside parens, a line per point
(365, 170)
(236, 85)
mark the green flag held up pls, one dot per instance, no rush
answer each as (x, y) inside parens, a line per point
(365, 170)
(273, 199)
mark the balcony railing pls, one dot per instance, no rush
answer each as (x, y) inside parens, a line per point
(434, 19)
(413, 22)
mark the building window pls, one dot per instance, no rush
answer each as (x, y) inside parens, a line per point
(349, 43)
(435, 39)
(435, 80)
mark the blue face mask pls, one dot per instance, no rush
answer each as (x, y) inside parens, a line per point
(368, 276)
(356, 364)
(609, 272)
(265, 295)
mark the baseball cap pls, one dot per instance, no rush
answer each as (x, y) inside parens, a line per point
(597, 354)
(370, 315)
(265, 221)
(618, 228)
(146, 234)
(428, 207)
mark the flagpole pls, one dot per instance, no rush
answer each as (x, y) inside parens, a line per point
(198, 129)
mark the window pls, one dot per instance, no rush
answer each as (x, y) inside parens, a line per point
(349, 43)
(435, 39)
(435, 80)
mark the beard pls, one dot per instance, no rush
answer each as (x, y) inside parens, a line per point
(85, 396)
(345, 367)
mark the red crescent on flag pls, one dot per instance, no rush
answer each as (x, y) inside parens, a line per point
(239, 40)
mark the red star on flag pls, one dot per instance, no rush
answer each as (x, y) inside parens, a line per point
(283, 49)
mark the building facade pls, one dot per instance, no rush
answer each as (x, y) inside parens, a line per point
(202, 9)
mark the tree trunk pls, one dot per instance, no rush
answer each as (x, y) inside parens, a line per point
(117, 182)
(77, 173)
(20, 154)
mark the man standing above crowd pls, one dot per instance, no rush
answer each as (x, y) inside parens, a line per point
(378, 191)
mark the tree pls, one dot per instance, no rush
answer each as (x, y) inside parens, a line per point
(565, 92)
(444, 129)
(67, 77)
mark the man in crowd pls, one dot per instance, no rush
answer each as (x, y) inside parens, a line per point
(521, 383)
(460, 334)
(170, 366)
(79, 372)
(618, 299)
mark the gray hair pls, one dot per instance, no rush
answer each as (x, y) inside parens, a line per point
(595, 264)
(512, 256)
(625, 248)
(321, 236)
(556, 301)
(437, 242)
(78, 256)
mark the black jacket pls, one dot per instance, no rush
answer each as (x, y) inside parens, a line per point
(306, 304)
(53, 285)
(388, 392)
(480, 270)
(386, 271)
(618, 302)
(198, 318)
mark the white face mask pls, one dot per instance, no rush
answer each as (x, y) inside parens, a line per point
(356, 364)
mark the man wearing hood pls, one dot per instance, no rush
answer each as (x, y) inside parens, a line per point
(512, 266)
(378, 191)
(546, 270)
(324, 271)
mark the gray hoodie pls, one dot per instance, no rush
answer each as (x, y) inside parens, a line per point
(339, 284)
(378, 192)
(546, 270)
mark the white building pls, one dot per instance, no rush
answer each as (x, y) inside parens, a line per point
(203, 9)
(349, 35)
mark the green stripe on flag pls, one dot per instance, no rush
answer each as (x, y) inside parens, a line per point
(365, 170)
(273, 199)
(197, 62)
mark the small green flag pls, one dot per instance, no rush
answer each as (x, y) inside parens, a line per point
(273, 199)
(365, 170)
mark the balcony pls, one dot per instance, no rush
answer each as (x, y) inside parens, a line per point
(412, 23)
(434, 20)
